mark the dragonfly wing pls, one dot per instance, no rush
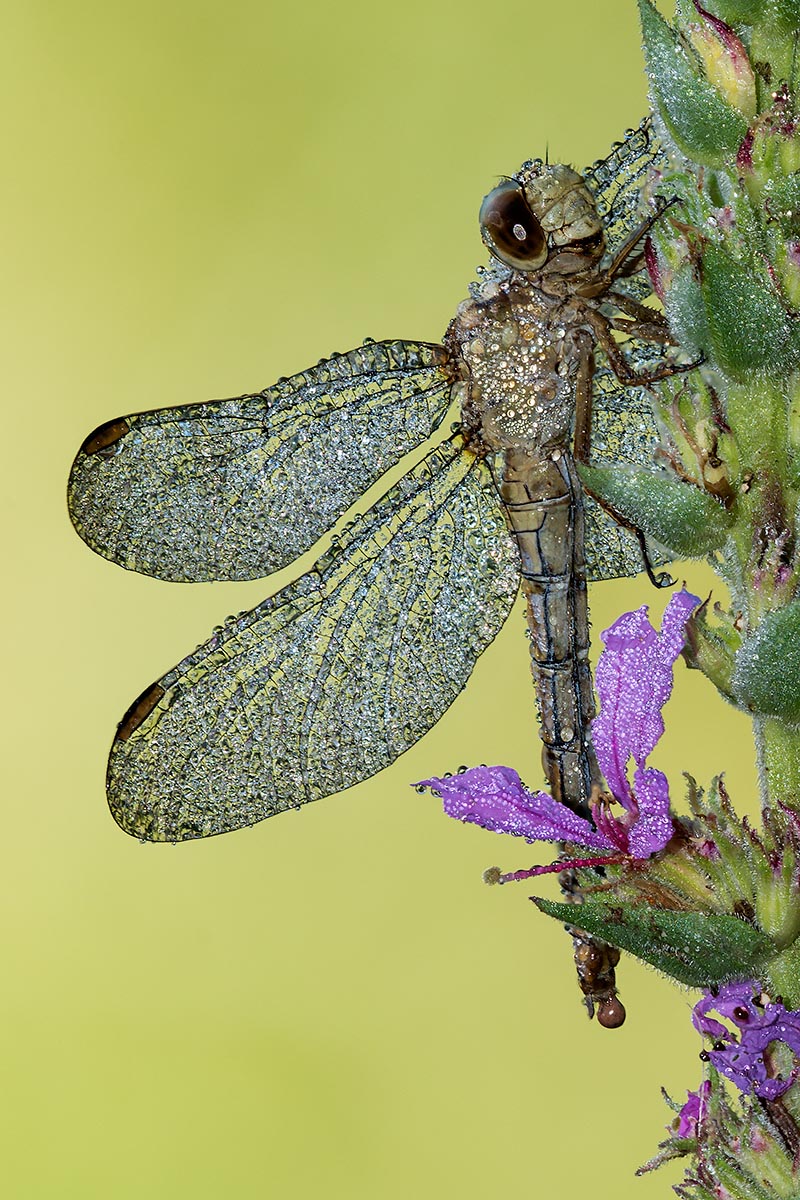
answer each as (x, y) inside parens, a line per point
(331, 679)
(624, 430)
(616, 183)
(236, 489)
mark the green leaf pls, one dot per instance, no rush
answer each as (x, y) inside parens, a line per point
(785, 13)
(703, 126)
(686, 520)
(766, 677)
(686, 311)
(735, 10)
(698, 949)
(749, 329)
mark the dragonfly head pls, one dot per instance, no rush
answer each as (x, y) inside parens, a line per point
(544, 219)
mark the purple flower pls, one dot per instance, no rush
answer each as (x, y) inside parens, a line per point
(634, 682)
(741, 1060)
(693, 1112)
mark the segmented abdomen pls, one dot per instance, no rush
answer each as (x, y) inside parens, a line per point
(543, 500)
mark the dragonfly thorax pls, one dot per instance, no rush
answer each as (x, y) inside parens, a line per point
(561, 201)
(517, 355)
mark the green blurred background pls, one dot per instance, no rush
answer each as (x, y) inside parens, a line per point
(198, 199)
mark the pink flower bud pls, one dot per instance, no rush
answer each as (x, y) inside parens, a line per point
(725, 60)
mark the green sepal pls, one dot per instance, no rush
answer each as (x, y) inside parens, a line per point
(782, 193)
(766, 678)
(749, 329)
(782, 975)
(698, 949)
(702, 125)
(731, 1181)
(712, 649)
(688, 521)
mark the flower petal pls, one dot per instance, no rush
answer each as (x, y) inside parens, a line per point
(693, 1111)
(729, 999)
(495, 798)
(742, 1061)
(653, 828)
(634, 682)
(744, 1065)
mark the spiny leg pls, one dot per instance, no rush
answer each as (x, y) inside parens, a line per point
(581, 442)
(640, 312)
(602, 328)
(628, 260)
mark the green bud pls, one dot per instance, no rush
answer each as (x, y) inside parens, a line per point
(703, 125)
(790, 162)
(749, 329)
(726, 64)
(777, 905)
(766, 678)
(712, 649)
(782, 191)
(698, 949)
(788, 267)
(782, 973)
(684, 519)
(769, 166)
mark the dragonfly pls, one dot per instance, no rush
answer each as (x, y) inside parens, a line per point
(334, 676)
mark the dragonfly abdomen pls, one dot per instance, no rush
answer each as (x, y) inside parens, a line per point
(542, 497)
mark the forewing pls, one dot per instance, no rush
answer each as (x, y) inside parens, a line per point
(236, 489)
(616, 182)
(331, 679)
(624, 430)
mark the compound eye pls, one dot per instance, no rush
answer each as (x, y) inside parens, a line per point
(510, 230)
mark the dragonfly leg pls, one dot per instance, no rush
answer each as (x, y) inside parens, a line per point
(648, 331)
(621, 262)
(663, 579)
(646, 323)
(635, 308)
(581, 444)
(628, 259)
(602, 328)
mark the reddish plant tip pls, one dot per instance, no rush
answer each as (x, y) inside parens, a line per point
(744, 156)
(653, 269)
